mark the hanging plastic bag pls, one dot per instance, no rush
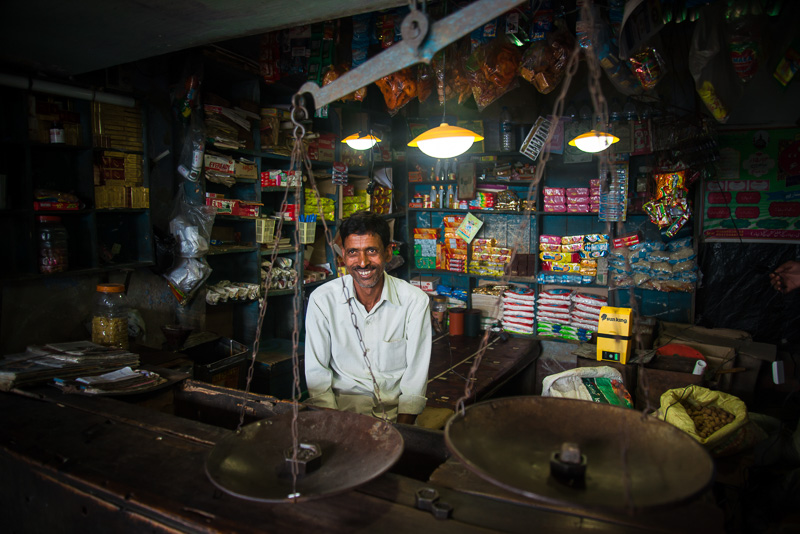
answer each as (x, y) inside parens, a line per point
(190, 163)
(492, 70)
(425, 82)
(545, 61)
(398, 89)
(191, 226)
(186, 277)
(451, 78)
(712, 72)
(743, 34)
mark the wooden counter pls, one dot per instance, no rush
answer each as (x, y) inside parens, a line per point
(502, 362)
(91, 464)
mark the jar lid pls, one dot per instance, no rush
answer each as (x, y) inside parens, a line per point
(110, 288)
(49, 218)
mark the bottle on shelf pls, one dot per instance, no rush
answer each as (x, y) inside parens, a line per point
(57, 133)
(450, 196)
(441, 197)
(53, 245)
(434, 199)
(507, 142)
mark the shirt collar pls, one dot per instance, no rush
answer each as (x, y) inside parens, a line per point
(388, 294)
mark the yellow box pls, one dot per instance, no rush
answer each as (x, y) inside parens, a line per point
(614, 328)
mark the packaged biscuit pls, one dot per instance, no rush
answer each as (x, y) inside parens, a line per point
(593, 254)
(591, 247)
(549, 239)
(568, 239)
(563, 257)
(565, 267)
(577, 191)
(544, 247)
(595, 238)
(554, 191)
(572, 247)
(589, 264)
(555, 208)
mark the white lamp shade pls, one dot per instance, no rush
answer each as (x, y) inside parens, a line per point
(594, 141)
(445, 141)
(360, 142)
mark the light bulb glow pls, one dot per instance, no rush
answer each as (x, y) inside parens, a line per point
(445, 147)
(594, 141)
(360, 142)
(445, 141)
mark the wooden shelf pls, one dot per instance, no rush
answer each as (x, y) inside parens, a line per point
(88, 271)
(216, 250)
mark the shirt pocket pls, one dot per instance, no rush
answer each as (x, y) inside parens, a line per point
(391, 356)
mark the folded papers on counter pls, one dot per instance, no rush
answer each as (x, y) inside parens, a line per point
(39, 364)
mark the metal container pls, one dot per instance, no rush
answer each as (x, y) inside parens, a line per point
(222, 362)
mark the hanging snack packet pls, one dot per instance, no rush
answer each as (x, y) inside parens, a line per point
(425, 81)
(398, 89)
(332, 72)
(545, 61)
(492, 70)
(648, 67)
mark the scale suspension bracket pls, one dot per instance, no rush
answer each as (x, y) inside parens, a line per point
(420, 43)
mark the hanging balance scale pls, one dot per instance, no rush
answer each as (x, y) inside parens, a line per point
(579, 454)
(559, 451)
(321, 453)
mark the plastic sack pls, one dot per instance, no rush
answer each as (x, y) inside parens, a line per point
(597, 384)
(398, 89)
(191, 226)
(492, 70)
(730, 439)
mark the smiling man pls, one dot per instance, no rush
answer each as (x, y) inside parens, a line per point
(393, 318)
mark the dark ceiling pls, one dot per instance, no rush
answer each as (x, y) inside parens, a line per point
(71, 38)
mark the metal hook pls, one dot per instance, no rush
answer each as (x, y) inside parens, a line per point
(298, 103)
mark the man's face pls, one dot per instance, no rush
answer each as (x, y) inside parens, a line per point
(365, 258)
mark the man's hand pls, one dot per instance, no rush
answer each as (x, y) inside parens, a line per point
(786, 278)
(406, 418)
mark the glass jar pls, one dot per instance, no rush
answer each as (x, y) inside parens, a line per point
(110, 317)
(53, 251)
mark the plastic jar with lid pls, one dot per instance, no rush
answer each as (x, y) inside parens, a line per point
(110, 317)
(53, 249)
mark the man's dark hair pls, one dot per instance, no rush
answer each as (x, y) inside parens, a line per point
(365, 222)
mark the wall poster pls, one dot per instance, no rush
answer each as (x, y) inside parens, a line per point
(756, 195)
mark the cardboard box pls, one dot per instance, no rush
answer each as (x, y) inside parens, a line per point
(244, 208)
(426, 283)
(750, 354)
(245, 171)
(652, 383)
(140, 197)
(221, 205)
(219, 164)
(718, 358)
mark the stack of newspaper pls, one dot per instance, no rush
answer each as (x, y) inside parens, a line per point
(39, 364)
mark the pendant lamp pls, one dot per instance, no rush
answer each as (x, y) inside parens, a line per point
(445, 141)
(594, 141)
(357, 141)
